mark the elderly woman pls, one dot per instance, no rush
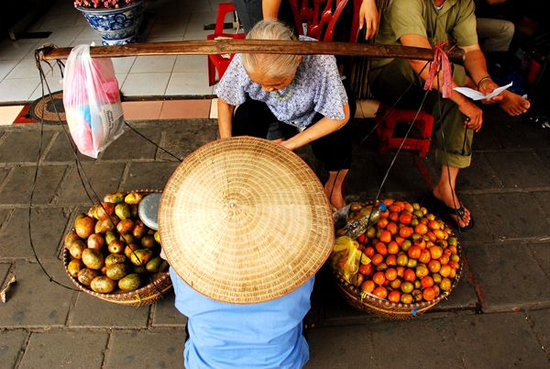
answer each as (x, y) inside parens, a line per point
(293, 99)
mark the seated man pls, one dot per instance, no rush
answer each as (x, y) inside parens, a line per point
(424, 23)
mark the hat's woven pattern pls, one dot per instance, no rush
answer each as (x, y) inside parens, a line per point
(244, 220)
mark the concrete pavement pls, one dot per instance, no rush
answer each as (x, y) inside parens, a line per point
(498, 317)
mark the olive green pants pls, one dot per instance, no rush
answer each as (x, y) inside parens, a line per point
(397, 84)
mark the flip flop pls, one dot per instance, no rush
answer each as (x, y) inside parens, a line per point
(460, 212)
(435, 205)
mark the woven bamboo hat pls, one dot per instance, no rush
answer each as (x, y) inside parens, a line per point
(244, 220)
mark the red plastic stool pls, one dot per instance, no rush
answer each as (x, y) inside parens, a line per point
(387, 119)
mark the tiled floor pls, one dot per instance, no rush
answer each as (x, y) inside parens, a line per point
(165, 20)
(141, 78)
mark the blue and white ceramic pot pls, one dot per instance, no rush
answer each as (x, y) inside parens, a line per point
(116, 26)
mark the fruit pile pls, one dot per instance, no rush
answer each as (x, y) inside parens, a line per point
(404, 255)
(111, 249)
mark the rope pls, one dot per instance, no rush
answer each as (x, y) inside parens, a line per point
(84, 180)
(441, 64)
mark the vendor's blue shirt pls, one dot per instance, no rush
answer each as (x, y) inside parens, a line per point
(263, 335)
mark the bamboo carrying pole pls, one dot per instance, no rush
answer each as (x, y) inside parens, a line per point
(229, 46)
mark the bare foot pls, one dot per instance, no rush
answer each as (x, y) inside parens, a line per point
(449, 198)
(513, 104)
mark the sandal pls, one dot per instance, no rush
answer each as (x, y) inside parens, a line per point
(432, 202)
(460, 213)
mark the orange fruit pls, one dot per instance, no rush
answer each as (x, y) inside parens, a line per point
(381, 248)
(385, 236)
(422, 270)
(376, 259)
(396, 283)
(421, 229)
(436, 252)
(445, 284)
(379, 278)
(445, 270)
(406, 298)
(391, 260)
(402, 259)
(368, 286)
(405, 218)
(391, 274)
(427, 281)
(433, 225)
(388, 202)
(382, 223)
(414, 252)
(407, 287)
(439, 234)
(425, 257)
(394, 296)
(434, 266)
(409, 275)
(405, 232)
(381, 292)
(392, 227)
(365, 269)
(393, 248)
(369, 251)
(453, 264)
(428, 294)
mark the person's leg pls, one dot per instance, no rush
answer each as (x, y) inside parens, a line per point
(453, 140)
(252, 118)
(249, 12)
(495, 35)
(335, 152)
(453, 152)
(334, 187)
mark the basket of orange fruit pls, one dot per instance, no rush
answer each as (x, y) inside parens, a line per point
(395, 259)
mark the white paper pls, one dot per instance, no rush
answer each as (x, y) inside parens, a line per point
(476, 95)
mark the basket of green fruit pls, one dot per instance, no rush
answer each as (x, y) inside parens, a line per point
(395, 259)
(112, 255)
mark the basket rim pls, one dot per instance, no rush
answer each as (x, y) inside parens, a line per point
(160, 282)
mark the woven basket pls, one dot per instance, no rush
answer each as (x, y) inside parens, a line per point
(370, 303)
(159, 285)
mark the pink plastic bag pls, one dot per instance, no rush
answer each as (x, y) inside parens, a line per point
(92, 101)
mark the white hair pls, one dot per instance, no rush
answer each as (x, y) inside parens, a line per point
(271, 65)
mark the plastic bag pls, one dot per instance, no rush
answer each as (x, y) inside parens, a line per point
(91, 100)
(346, 257)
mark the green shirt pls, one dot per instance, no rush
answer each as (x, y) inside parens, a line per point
(455, 23)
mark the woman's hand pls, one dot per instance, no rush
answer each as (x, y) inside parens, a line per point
(368, 17)
(317, 130)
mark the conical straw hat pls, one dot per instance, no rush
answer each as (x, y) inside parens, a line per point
(244, 220)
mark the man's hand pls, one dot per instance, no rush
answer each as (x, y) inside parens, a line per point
(368, 17)
(486, 87)
(473, 115)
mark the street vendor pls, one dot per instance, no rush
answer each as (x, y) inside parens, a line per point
(242, 260)
(427, 23)
(293, 99)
